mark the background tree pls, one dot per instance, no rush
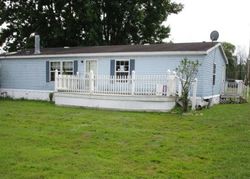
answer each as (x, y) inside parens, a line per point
(248, 68)
(187, 71)
(231, 69)
(241, 69)
(84, 22)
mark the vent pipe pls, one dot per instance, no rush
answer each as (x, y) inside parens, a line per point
(37, 44)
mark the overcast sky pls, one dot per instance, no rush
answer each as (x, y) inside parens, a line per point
(231, 18)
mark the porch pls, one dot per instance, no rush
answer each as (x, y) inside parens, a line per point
(131, 92)
(235, 92)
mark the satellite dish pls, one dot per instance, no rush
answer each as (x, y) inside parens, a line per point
(214, 35)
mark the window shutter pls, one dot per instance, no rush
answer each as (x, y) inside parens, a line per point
(47, 71)
(112, 67)
(132, 66)
(75, 67)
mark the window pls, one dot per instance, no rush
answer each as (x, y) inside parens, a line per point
(122, 68)
(68, 68)
(214, 73)
(53, 67)
(64, 67)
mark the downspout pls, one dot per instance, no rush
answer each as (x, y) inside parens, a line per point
(213, 72)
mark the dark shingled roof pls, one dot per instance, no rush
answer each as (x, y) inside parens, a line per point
(167, 47)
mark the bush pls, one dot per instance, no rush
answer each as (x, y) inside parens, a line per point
(51, 96)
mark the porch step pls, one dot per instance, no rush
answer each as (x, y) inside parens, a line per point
(232, 99)
(179, 103)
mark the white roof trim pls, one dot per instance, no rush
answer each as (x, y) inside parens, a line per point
(214, 47)
(222, 50)
(213, 96)
(108, 54)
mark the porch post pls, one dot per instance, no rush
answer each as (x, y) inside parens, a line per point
(168, 82)
(179, 87)
(194, 93)
(225, 87)
(91, 82)
(133, 83)
(239, 90)
(77, 81)
(171, 83)
(175, 83)
(56, 80)
(247, 92)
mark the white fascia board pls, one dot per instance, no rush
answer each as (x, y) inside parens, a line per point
(109, 54)
(214, 47)
(222, 50)
(213, 96)
(224, 54)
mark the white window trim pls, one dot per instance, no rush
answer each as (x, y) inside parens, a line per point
(61, 66)
(85, 65)
(122, 60)
(50, 68)
(117, 81)
(68, 61)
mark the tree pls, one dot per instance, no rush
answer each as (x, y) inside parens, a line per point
(187, 71)
(229, 50)
(241, 68)
(248, 71)
(84, 22)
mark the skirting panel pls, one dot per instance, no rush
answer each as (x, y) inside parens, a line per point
(26, 94)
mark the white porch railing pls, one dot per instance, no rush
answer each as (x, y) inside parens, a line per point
(236, 89)
(158, 85)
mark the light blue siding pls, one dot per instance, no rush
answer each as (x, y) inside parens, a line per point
(146, 64)
(26, 73)
(151, 64)
(205, 77)
(31, 73)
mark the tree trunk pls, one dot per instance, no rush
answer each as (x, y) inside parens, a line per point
(185, 100)
(185, 105)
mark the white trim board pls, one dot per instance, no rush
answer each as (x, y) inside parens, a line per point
(108, 54)
(214, 96)
(222, 50)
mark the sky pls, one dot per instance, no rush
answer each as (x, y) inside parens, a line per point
(231, 18)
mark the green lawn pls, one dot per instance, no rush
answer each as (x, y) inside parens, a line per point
(41, 140)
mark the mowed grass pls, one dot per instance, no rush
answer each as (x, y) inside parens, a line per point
(41, 140)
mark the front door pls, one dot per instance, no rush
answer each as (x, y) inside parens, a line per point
(91, 65)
